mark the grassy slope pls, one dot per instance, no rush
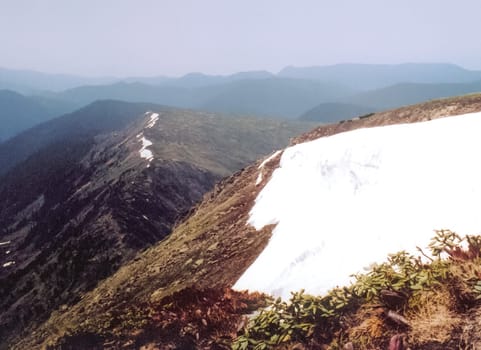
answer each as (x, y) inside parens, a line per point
(218, 143)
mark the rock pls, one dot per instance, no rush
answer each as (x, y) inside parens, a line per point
(397, 342)
(393, 299)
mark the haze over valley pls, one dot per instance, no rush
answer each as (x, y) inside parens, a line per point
(319, 94)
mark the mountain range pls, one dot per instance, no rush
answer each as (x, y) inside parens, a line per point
(231, 231)
(376, 76)
(356, 76)
(322, 93)
(95, 187)
(135, 213)
(19, 112)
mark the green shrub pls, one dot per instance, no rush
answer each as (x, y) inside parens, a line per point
(309, 320)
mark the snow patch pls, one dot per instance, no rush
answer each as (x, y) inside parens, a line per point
(144, 152)
(344, 202)
(261, 166)
(259, 178)
(5, 243)
(9, 263)
(268, 159)
(153, 119)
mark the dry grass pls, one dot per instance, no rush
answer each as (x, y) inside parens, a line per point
(368, 327)
(188, 319)
(432, 317)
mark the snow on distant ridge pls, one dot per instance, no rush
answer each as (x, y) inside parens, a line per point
(144, 152)
(8, 263)
(344, 202)
(153, 119)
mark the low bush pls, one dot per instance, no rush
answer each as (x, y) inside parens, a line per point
(419, 296)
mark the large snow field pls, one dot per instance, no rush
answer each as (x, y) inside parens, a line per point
(344, 202)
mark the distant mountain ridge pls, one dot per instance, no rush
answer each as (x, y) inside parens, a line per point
(412, 93)
(331, 112)
(99, 117)
(274, 97)
(357, 76)
(19, 112)
(271, 97)
(393, 96)
(375, 76)
(194, 80)
(33, 82)
(289, 94)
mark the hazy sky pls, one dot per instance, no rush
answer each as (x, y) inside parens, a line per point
(173, 37)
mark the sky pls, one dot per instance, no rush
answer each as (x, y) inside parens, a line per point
(174, 37)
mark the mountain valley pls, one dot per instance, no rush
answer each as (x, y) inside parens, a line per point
(103, 192)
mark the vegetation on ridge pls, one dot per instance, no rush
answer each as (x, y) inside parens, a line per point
(419, 298)
(188, 319)
(423, 301)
